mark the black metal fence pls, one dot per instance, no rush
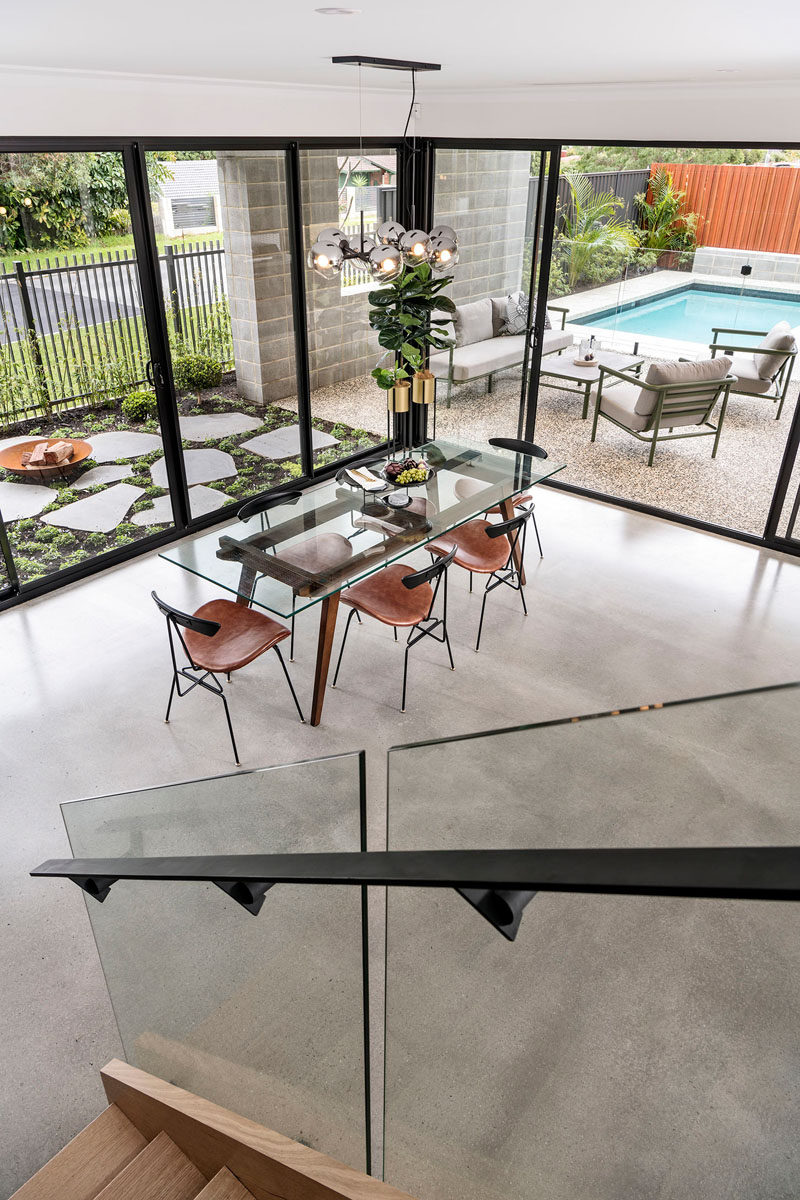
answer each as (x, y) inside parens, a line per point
(624, 184)
(72, 327)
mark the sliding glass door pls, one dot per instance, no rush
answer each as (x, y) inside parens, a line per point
(81, 451)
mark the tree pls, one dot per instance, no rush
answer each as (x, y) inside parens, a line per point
(664, 226)
(589, 225)
(630, 158)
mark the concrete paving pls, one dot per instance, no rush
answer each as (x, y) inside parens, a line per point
(617, 1003)
(285, 443)
(100, 513)
(97, 475)
(107, 447)
(202, 466)
(203, 426)
(19, 500)
(202, 500)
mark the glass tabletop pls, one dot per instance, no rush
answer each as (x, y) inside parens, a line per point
(332, 534)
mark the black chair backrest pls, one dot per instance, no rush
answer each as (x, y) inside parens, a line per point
(518, 446)
(186, 620)
(514, 525)
(264, 503)
(428, 574)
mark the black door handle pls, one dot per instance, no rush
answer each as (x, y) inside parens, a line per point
(154, 374)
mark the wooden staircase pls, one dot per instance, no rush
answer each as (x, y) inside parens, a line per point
(156, 1141)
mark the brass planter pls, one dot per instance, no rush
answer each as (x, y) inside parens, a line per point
(423, 388)
(398, 398)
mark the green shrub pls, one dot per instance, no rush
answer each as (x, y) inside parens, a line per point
(139, 406)
(293, 470)
(196, 370)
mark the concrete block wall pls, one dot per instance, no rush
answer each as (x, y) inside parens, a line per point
(257, 265)
(340, 343)
(483, 195)
(767, 266)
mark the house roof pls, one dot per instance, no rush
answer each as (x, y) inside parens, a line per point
(191, 177)
(362, 162)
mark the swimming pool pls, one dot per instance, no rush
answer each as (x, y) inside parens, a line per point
(689, 313)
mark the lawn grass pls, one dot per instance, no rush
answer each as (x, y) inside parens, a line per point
(104, 247)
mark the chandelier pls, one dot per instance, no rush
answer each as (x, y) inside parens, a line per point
(392, 247)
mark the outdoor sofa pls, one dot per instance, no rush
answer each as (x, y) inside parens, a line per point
(481, 348)
(762, 370)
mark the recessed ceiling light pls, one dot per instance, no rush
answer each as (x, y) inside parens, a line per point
(338, 12)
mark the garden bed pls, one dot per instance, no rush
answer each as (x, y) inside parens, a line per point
(41, 549)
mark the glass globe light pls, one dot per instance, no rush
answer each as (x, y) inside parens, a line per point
(326, 258)
(443, 254)
(365, 247)
(385, 262)
(332, 235)
(443, 231)
(389, 233)
(414, 245)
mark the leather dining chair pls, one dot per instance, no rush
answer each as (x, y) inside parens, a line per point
(401, 596)
(486, 549)
(466, 487)
(221, 637)
(316, 554)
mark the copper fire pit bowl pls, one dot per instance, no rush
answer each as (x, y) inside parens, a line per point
(11, 458)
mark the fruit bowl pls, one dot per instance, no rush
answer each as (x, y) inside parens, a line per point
(408, 472)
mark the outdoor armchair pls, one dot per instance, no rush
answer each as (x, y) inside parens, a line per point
(672, 396)
(762, 370)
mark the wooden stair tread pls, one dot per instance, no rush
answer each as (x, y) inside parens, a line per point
(224, 1186)
(88, 1162)
(159, 1172)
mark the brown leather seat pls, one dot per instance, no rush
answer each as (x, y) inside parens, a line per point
(425, 508)
(476, 550)
(383, 596)
(318, 554)
(466, 488)
(243, 634)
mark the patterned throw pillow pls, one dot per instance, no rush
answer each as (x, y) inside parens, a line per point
(517, 313)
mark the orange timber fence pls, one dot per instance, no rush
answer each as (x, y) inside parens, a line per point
(746, 208)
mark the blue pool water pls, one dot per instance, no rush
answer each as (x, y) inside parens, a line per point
(689, 314)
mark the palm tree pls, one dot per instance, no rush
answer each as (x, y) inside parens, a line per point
(666, 227)
(589, 224)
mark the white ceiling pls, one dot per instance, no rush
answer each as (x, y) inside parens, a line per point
(481, 43)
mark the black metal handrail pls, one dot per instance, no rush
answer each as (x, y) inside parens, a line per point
(499, 883)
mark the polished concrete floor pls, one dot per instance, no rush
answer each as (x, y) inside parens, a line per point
(624, 610)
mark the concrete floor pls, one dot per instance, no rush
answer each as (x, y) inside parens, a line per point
(624, 609)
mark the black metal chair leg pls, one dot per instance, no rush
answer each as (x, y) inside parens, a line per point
(536, 531)
(405, 679)
(291, 643)
(449, 651)
(395, 632)
(341, 650)
(230, 729)
(522, 598)
(480, 625)
(470, 581)
(169, 702)
(277, 650)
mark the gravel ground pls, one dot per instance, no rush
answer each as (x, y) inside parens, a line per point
(733, 490)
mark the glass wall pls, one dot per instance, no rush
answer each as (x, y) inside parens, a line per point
(222, 229)
(673, 256)
(81, 455)
(350, 190)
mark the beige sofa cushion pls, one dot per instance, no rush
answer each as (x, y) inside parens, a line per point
(479, 358)
(619, 403)
(780, 337)
(473, 322)
(712, 369)
(554, 340)
(748, 378)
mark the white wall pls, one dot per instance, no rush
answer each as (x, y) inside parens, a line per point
(48, 102)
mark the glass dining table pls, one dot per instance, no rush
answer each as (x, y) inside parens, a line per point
(257, 560)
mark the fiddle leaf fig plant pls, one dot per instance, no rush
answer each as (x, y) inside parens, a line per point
(402, 313)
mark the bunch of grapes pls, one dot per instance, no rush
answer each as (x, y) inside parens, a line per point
(412, 475)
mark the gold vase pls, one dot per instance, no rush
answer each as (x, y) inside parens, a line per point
(397, 399)
(423, 388)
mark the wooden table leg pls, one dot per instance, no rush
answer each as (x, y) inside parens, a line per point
(507, 509)
(327, 624)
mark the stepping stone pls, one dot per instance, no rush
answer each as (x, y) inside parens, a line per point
(201, 499)
(24, 499)
(217, 425)
(106, 447)
(202, 466)
(100, 513)
(285, 443)
(97, 475)
(19, 439)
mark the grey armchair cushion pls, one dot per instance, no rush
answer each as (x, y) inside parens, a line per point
(712, 369)
(473, 322)
(748, 379)
(780, 337)
(498, 315)
(619, 403)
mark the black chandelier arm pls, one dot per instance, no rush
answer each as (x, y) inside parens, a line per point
(728, 873)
